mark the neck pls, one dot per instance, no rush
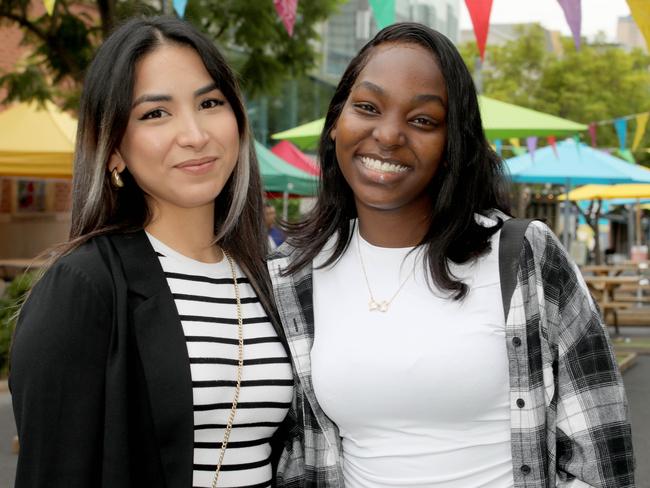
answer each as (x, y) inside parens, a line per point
(386, 228)
(189, 231)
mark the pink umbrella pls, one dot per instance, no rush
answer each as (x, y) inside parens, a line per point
(295, 157)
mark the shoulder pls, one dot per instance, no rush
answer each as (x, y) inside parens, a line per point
(86, 268)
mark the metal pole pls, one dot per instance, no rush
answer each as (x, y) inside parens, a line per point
(567, 215)
(285, 206)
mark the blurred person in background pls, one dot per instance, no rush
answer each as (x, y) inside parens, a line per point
(276, 236)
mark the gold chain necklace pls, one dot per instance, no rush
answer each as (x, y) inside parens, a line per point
(240, 368)
(374, 305)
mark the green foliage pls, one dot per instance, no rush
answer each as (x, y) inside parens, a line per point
(10, 303)
(599, 82)
(250, 31)
(293, 208)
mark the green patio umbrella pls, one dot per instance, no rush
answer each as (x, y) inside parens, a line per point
(501, 120)
(281, 177)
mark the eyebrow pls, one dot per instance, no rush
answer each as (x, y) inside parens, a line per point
(167, 98)
(426, 97)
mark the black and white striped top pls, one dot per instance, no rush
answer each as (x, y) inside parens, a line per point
(205, 298)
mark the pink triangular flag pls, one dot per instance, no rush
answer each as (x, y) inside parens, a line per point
(479, 11)
(553, 143)
(592, 133)
(531, 143)
(286, 10)
(573, 14)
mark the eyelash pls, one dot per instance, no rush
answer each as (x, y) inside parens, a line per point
(369, 108)
(217, 103)
(157, 113)
(366, 107)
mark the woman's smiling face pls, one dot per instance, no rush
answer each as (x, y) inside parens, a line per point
(391, 135)
(182, 140)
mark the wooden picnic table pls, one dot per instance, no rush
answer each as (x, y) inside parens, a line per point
(10, 268)
(603, 287)
(608, 269)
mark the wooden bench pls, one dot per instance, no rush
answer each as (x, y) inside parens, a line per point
(612, 308)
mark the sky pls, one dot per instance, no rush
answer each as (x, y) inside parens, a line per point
(597, 15)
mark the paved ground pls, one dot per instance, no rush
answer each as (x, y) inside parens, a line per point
(637, 384)
(7, 432)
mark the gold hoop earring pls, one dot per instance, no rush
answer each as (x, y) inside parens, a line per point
(116, 179)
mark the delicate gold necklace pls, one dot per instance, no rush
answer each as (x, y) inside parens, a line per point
(240, 368)
(373, 304)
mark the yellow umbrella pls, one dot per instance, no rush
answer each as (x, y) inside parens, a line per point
(36, 142)
(608, 192)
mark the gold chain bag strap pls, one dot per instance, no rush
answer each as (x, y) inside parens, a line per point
(240, 368)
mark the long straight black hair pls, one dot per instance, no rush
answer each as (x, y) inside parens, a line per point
(471, 181)
(104, 111)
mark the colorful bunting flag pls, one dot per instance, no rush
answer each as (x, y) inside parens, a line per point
(531, 144)
(641, 15)
(514, 142)
(286, 10)
(383, 11)
(621, 131)
(498, 146)
(573, 15)
(592, 133)
(553, 143)
(641, 122)
(179, 7)
(479, 11)
(626, 154)
(49, 6)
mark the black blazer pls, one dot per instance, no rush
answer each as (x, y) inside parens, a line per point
(100, 375)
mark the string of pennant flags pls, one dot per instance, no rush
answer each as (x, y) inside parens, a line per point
(286, 10)
(480, 10)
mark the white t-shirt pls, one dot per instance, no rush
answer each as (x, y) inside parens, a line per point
(420, 393)
(205, 299)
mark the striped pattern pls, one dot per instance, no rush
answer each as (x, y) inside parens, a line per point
(205, 300)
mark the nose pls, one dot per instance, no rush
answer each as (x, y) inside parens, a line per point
(192, 132)
(388, 133)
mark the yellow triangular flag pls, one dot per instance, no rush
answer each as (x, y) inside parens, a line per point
(49, 6)
(641, 122)
(641, 15)
(514, 142)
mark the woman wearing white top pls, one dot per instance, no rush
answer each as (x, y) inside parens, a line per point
(147, 355)
(408, 372)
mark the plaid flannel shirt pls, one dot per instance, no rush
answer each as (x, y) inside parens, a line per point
(568, 415)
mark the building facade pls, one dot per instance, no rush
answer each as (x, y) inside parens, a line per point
(354, 25)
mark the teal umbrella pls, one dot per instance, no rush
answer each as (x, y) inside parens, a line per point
(281, 177)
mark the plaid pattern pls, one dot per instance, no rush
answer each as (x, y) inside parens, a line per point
(569, 418)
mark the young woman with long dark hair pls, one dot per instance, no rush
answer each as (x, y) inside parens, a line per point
(411, 370)
(149, 353)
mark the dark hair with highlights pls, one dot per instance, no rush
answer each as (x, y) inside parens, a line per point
(471, 180)
(104, 112)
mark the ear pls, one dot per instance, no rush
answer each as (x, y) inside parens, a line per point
(333, 133)
(116, 161)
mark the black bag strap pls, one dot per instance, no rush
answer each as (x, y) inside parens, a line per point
(510, 242)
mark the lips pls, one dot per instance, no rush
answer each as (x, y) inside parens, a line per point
(195, 162)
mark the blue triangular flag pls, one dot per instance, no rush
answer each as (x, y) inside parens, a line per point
(621, 131)
(179, 6)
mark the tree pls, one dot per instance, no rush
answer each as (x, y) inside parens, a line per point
(599, 82)
(62, 45)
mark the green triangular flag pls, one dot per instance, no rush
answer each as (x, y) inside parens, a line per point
(383, 11)
(627, 155)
